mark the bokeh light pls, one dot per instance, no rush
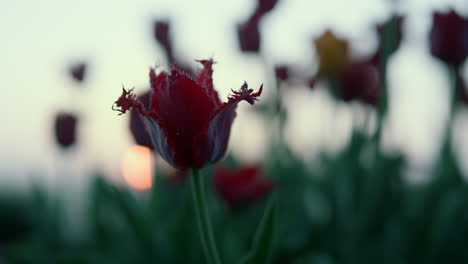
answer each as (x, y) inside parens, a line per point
(137, 167)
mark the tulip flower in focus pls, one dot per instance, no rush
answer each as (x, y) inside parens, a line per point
(78, 72)
(243, 186)
(65, 129)
(187, 122)
(449, 38)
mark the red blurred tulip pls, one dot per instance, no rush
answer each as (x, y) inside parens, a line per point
(137, 127)
(65, 129)
(78, 72)
(243, 186)
(282, 72)
(360, 81)
(187, 122)
(449, 38)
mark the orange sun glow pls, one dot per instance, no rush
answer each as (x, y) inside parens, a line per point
(137, 167)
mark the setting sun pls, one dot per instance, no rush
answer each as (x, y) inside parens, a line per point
(137, 167)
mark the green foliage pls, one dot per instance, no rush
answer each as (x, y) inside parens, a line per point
(263, 244)
(354, 207)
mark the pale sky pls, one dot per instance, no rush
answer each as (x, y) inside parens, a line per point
(41, 38)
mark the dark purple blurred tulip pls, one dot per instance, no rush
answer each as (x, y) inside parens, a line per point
(282, 72)
(360, 82)
(448, 38)
(249, 35)
(65, 129)
(78, 72)
(162, 36)
(265, 6)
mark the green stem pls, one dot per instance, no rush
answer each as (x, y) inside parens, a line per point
(203, 219)
(453, 74)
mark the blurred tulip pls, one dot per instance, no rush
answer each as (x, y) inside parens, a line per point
(282, 72)
(360, 81)
(333, 54)
(390, 34)
(249, 35)
(65, 129)
(78, 72)
(243, 186)
(265, 6)
(448, 38)
(162, 36)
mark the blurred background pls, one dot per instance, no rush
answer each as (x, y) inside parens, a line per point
(64, 64)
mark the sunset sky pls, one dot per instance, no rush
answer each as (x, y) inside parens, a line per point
(40, 39)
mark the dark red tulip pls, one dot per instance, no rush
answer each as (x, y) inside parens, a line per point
(265, 6)
(65, 129)
(187, 122)
(360, 81)
(282, 72)
(243, 186)
(78, 72)
(390, 34)
(249, 35)
(449, 38)
(137, 127)
(162, 36)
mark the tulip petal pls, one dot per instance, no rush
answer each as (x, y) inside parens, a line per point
(205, 80)
(219, 128)
(182, 110)
(158, 138)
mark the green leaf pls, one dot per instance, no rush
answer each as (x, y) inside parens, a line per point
(263, 243)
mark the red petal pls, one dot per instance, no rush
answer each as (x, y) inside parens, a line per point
(219, 128)
(182, 110)
(159, 139)
(127, 101)
(205, 79)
